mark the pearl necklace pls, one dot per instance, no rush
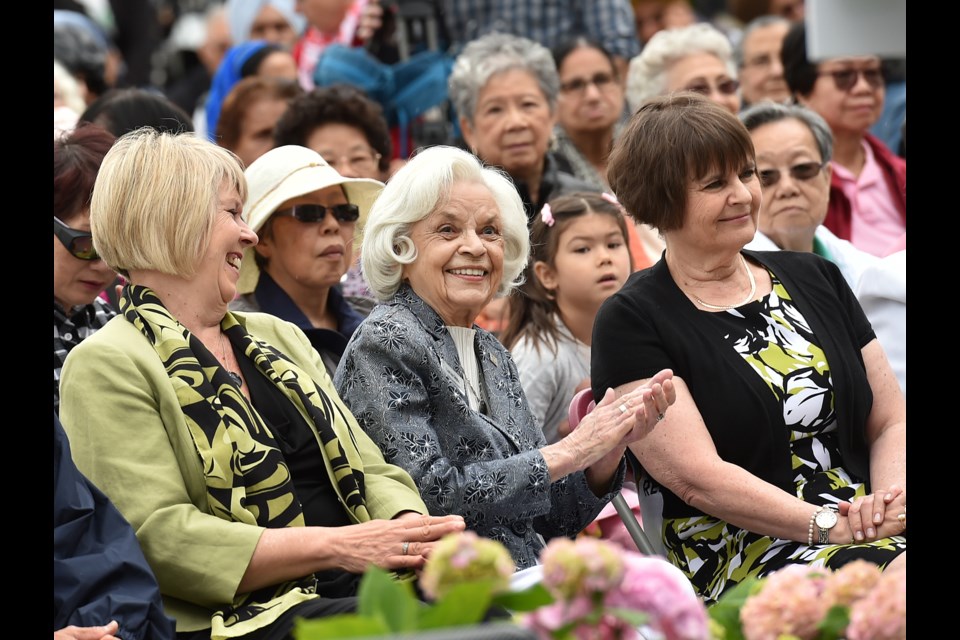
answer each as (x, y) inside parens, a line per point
(726, 307)
(234, 376)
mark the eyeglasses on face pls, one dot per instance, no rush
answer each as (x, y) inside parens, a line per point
(579, 86)
(726, 87)
(803, 171)
(78, 243)
(359, 161)
(317, 212)
(846, 79)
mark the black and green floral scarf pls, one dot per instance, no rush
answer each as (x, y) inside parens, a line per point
(246, 477)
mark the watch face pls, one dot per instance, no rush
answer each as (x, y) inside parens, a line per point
(826, 519)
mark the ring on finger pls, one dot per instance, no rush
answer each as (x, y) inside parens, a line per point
(623, 408)
(405, 548)
(903, 520)
(659, 417)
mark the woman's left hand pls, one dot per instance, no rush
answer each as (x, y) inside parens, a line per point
(866, 513)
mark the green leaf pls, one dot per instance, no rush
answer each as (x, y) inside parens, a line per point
(464, 604)
(834, 624)
(726, 611)
(393, 602)
(348, 625)
(527, 600)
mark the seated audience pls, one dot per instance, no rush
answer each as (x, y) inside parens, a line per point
(256, 498)
(121, 111)
(249, 115)
(441, 397)
(787, 442)
(758, 59)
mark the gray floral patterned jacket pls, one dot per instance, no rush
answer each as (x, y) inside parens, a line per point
(402, 379)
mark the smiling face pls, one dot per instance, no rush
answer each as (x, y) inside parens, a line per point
(721, 212)
(75, 281)
(512, 124)
(703, 70)
(591, 263)
(599, 104)
(306, 256)
(220, 262)
(852, 111)
(459, 262)
(792, 208)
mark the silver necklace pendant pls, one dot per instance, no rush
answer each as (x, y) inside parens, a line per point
(235, 377)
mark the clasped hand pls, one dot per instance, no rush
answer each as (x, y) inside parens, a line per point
(876, 515)
(404, 542)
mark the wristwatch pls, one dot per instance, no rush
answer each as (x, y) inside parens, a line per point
(825, 520)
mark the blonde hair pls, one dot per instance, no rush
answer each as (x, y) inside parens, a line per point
(155, 200)
(413, 193)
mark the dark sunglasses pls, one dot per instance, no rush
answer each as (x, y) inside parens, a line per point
(579, 85)
(317, 212)
(803, 171)
(846, 79)
(727, 87)
(78, 243)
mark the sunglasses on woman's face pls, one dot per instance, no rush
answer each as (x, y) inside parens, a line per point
(803, 171)
(317, 212)
(727, 87)
(846, 79)
(78, 243)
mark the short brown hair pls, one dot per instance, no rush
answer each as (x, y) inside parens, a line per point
(668, 142)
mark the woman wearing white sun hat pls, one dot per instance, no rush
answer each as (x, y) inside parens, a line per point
(306, 216)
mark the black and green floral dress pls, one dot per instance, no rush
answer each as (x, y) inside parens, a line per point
(773, 337)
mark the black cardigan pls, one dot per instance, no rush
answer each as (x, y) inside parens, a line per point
(651, 325)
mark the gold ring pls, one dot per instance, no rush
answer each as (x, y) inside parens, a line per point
(659, 417)
(623, 408)
(903, 520)
(406, 547)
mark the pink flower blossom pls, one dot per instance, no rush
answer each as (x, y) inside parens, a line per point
(660, 590)
(882, 613)
(462, 557)
(789, 603)
(582, 567)
(850, 582)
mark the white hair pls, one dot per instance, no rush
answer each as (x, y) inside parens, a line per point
(413, 193)
(68, 88)
(647, 75)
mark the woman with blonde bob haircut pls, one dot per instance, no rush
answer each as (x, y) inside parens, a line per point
(387, 246)
(441, 396)
(255, 496)
(173, 236)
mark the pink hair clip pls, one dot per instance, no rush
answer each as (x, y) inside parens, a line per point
(546, 214)
(609, 197)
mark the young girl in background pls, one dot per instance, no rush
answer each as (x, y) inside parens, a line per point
(579, 257)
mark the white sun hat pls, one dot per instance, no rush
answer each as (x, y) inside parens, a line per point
(289, 172)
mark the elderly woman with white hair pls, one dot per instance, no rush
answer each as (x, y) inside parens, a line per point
(505, 89)
(696, 58)
(442, 397)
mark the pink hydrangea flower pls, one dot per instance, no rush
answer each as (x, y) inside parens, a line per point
(582, 567)
(462, 557)
(789, 603)
(660, 590)
(882, 613)
(851, 582)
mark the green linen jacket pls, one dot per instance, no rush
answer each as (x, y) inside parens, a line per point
(130, 439)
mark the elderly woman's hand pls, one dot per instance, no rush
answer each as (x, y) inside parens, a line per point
(401, 543)
(876, 515)
(616, 422)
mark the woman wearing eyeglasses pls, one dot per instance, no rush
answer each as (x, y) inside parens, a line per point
(868, 183)
(697, 58)
(787, 442)
(79, 275)
(305, 214)
(794, 146)
(256, 497)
